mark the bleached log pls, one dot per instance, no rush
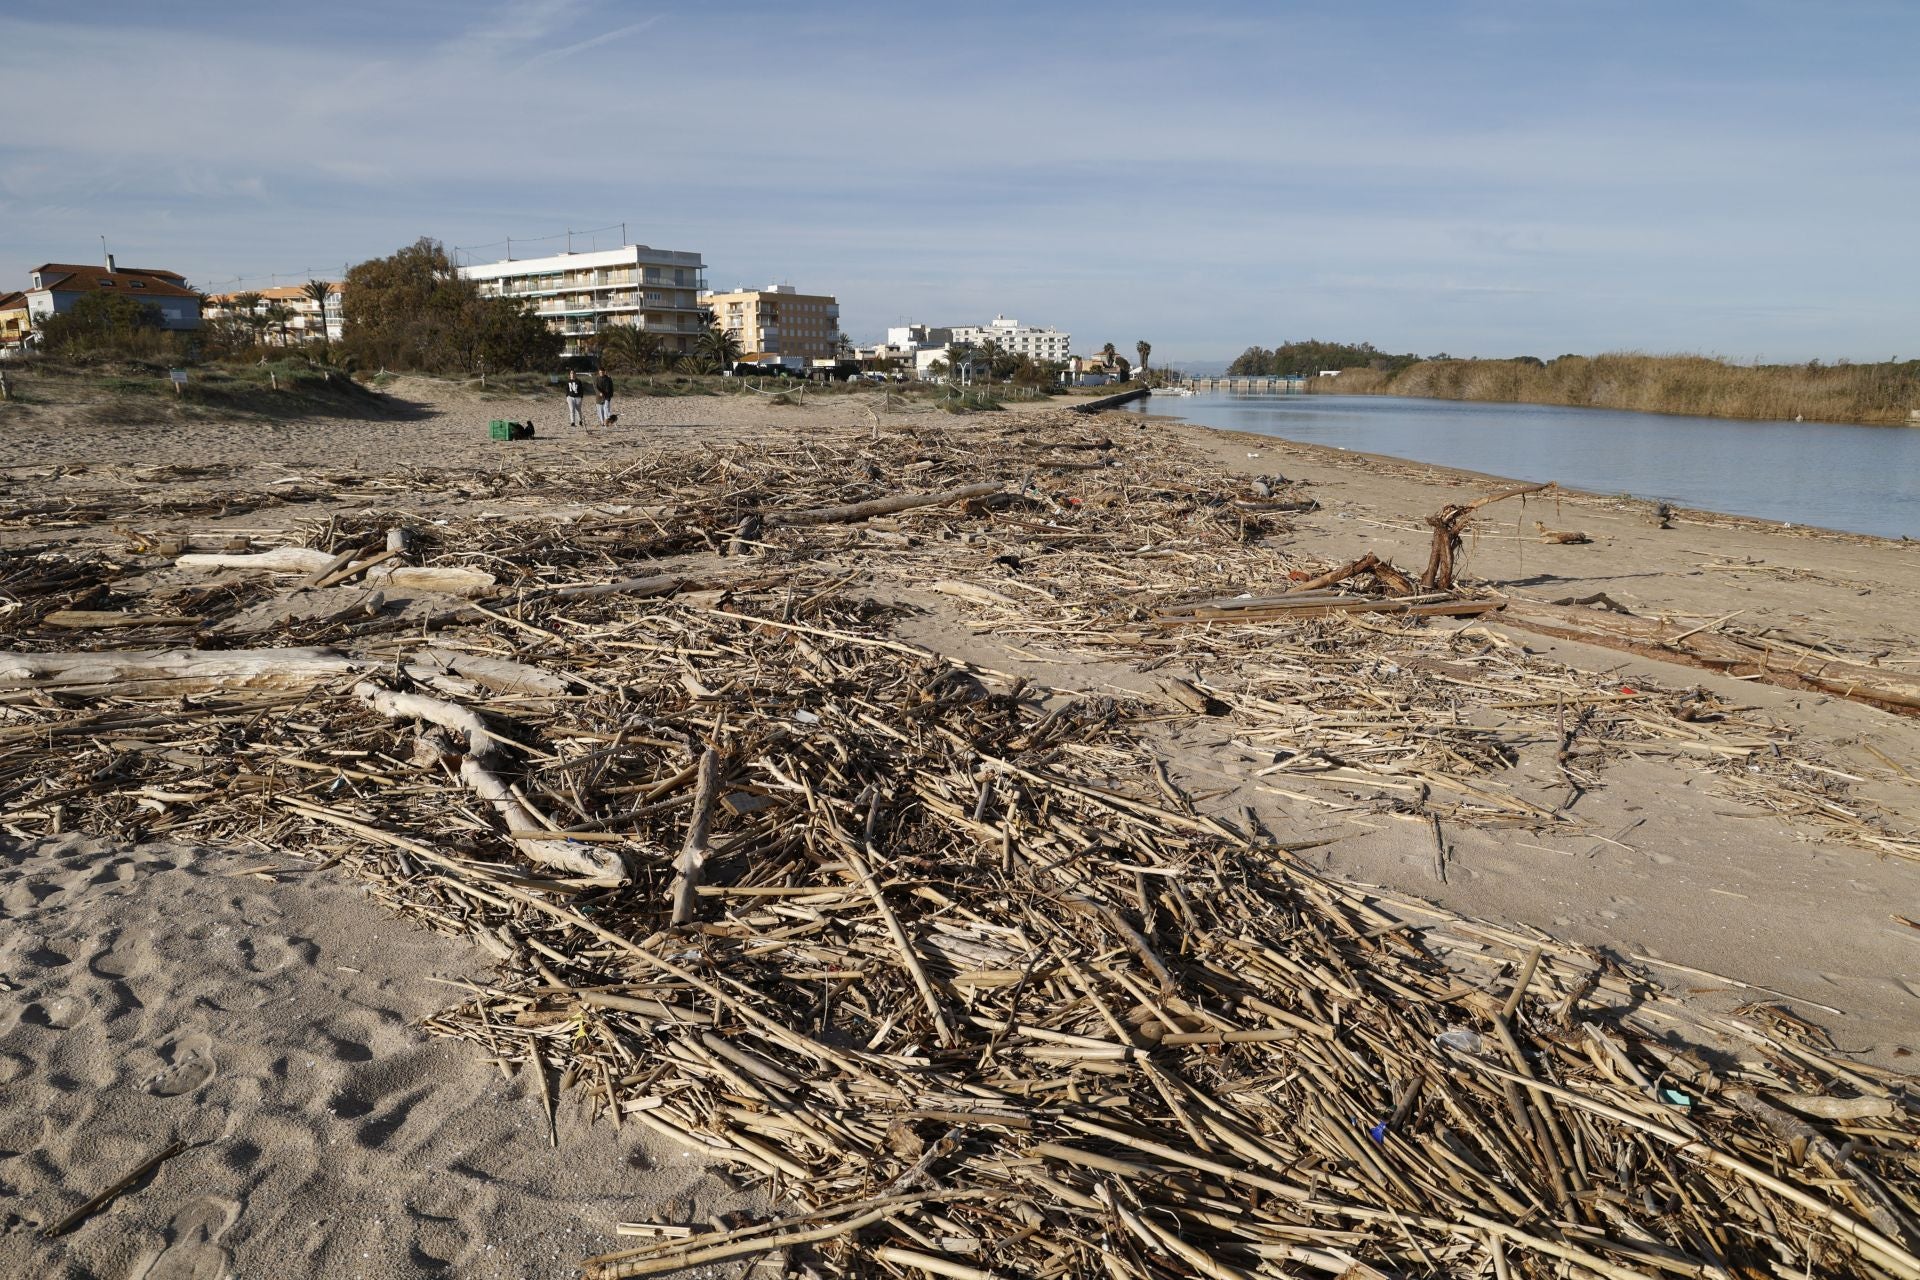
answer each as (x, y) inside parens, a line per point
(494, 673)
(278, 560)
(448, 580)
(172, 672)
(477, 772)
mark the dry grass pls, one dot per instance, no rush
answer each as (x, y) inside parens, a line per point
(1698, 385)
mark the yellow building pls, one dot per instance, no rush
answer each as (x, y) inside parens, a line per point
(778, 322)
(14, 322)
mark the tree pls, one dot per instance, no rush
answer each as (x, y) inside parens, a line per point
(842, 345)
(960, 359)
(1145, 349)
(247, 307)
(626, 348)
(1109, 354)
(277, 316)
(102, 322)
(1126, 370)
(412, 310)
(719, 348)
(321, 292)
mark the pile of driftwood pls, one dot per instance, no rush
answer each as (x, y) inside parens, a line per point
(943, 956)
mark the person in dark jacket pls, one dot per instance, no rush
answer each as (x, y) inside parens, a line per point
(575, 390)
(603, 392)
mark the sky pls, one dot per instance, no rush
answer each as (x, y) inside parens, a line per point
(1740, 179)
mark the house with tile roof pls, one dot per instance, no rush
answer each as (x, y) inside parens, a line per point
(14, 324)
(57, 286)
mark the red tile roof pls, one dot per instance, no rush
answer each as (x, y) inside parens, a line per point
(65, 277)
(12, 301)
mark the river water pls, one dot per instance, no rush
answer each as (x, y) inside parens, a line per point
(1860, 479)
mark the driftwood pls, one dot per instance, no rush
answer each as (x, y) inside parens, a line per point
(90, 619)
(1563, 537)
(1733, 655)
(692, 861)
(319, 567)
(1447, 524)
(881, 506)
(492, 673)
(1320, 604)
(1395, 582)
(481, 751)
(172, 672)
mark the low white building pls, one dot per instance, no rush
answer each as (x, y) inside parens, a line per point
(1018, 339)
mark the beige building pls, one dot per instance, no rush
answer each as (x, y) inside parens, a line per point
(15, 323)
(296, 319)
(578, 294)
(778, 322)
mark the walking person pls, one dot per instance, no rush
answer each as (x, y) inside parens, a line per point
(603, 394)
(575, 390)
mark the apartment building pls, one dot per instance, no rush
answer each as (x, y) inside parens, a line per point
(1017, 339)
(778, 322)
(579, 294)
(285, 313)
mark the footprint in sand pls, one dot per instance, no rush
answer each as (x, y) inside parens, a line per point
(190, 1066)
(193, 1251)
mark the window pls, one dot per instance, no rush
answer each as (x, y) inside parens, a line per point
(105, 283)
(136, 284)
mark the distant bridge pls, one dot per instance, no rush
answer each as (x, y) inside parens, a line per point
(1246, 382)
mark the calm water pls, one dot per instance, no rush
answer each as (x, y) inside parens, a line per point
(1862, 479)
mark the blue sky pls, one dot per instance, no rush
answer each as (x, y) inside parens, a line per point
(1740, 179)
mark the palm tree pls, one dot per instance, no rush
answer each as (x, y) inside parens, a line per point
(960, 359)
(247, 307)
(627, 348)
(720, 348)
(1109, 354)
(277, 315)
(1145, 349)
(320, 291)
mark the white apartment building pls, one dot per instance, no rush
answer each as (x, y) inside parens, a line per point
(1017, 339)
(579, 294)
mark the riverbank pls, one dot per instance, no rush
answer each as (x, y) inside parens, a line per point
(1697, 859)
(1696, 386)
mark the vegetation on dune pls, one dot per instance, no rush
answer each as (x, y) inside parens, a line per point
(1882, 393)
(412, 311)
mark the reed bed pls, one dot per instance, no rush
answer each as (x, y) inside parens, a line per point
(1882, 394)
(944, 957)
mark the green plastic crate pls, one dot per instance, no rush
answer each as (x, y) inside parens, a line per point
(500, 429)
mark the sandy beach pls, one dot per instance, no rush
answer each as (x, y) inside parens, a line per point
(258, 1008)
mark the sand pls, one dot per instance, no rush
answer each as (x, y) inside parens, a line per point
(267, 1019)
(272, 1020)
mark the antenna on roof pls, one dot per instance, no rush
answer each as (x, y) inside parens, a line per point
(105, 254)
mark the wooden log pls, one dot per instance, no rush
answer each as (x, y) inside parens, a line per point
(495, 673)
(693, 850)
(1717, 651)
(318, 565)
(90, 619)
(881, 506)
(602, 866)
(173, 672)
